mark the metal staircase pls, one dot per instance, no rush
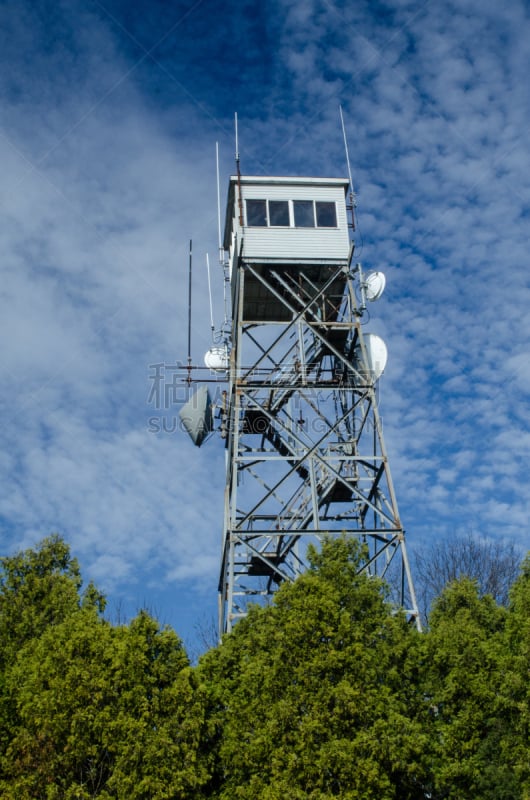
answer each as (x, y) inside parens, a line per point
(305, 449)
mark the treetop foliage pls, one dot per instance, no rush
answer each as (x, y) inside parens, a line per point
(313, 688)
(38, 588)
(326, 693)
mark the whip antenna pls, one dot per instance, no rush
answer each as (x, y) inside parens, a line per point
(210, 293)
(189, 314)
(240, 201)
(352, 192)
(219, 240)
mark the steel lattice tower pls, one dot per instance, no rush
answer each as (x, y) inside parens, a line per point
(305, 452)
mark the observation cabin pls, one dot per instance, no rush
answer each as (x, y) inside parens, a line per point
(292, 233)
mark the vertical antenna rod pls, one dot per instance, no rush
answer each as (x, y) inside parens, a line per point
(222, 261)
(219, 240)
(240, 201)
(189, 315)
(352, 192)
(210, 292)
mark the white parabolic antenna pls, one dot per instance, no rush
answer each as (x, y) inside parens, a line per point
(374, 285)
(216, 359)
(376, 356)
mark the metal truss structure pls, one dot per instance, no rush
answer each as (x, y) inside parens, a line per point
(306, 455)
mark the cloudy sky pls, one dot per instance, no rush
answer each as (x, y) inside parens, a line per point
(109, 116)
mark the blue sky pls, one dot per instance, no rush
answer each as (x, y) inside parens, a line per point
(109, 116)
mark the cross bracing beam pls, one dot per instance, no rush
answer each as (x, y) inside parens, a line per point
(305, 450)
(285, 447)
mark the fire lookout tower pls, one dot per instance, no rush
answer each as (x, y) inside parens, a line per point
(305, 450)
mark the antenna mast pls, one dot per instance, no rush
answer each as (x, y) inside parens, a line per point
(219, 239)
(189, 314)
(238, 170)
(210, 293)
(224, 333)
(352, 191)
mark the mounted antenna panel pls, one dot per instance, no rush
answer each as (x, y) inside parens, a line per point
(197, 417)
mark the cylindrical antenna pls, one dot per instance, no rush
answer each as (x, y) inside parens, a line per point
(220, 242)
(225, 303)
(352, 192)
(240, 201)
(221, 248)
(362, 284)
(210, 293)
(189, 314)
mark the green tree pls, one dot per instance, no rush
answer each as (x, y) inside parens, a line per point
(104, 712)
(39, 587)
(62, 701)
(513, 701)
(463, 658)
(160, 717)
(316, 696)
(95, 710)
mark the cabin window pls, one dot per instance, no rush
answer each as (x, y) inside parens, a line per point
(304, 214)
(279, 213)
(257, 213)
(326, 215)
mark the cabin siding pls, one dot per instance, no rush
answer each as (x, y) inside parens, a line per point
(295, 244)
(290, 244)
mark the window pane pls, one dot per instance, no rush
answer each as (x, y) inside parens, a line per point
(279, 212)
(326, 215)
(257, 212)
(303, 214)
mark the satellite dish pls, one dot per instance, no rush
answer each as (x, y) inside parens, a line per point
(196, 415)
(374, 285)
(376, 357)
(217, 359)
